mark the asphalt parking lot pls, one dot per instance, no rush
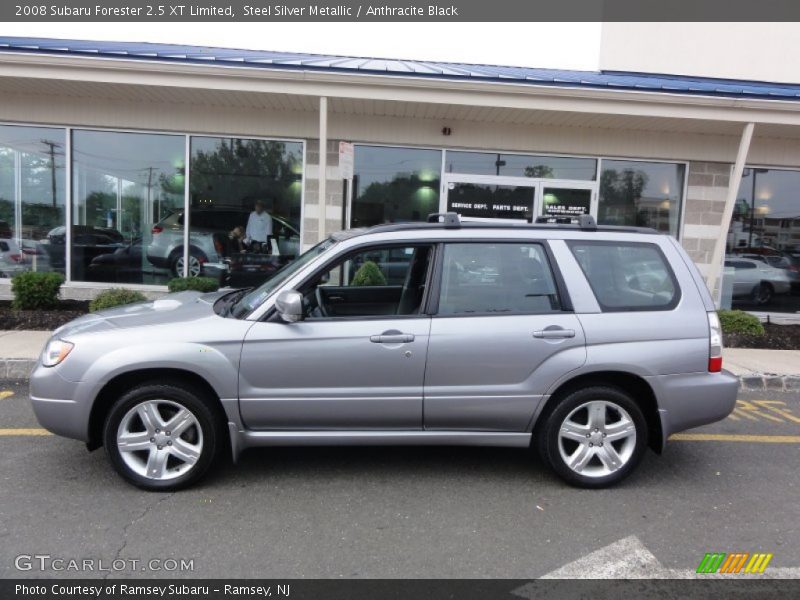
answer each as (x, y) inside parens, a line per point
(403, 512)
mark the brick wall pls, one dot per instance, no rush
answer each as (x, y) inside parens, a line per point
(333, 193)
(705, 203)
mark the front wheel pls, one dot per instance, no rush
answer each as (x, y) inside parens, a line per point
(161, 437)
(594, 437)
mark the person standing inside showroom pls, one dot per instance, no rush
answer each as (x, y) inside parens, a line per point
(259, 227)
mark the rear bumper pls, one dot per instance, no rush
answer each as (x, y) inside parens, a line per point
(693, 399)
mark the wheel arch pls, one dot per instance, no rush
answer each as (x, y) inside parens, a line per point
(121, 382)
(633, 384)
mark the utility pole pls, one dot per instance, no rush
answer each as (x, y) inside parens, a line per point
(52, 153)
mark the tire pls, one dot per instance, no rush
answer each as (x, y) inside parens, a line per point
(177, 459)
(762, 294)
(561, 437)
(195, 264)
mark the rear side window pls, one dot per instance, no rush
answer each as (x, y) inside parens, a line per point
(627, 276)
(4, 247)
(497, 278)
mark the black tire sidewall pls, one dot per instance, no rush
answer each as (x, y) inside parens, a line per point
(185, 396)
(548, 435)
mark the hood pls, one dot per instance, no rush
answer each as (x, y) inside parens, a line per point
(172, 308)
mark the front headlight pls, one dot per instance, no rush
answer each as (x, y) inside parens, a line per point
(55, 352)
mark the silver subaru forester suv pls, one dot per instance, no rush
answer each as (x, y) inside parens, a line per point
(589, 343)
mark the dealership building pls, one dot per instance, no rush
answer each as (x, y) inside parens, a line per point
(130, 163)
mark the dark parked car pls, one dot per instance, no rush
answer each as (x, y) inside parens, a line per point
(88, 242)
(123, 265)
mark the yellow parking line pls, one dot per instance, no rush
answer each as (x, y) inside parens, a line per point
(5, 394)
(730, 437)
(24, 431)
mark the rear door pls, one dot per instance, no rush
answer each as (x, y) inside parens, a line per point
(503, 330)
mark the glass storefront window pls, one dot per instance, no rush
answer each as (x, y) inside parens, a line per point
(245, 201)
(762, 261)
(642, 194)
(392, 185)
(32, 198)
(520, 165)
(124, 184)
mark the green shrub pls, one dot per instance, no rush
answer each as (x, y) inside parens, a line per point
(368, 274)
(35, 290)
(197, 284)
(737, 321)
(115, 297)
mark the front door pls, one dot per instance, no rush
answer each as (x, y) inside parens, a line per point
(356, 360)
(499, 337)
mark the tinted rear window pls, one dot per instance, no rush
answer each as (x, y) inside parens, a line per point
(489, 278)
(627, 276)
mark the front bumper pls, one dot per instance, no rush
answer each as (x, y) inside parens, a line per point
(693, 399)
(56, 405)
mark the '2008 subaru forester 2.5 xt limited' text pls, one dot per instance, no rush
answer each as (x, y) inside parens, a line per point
(590, 343)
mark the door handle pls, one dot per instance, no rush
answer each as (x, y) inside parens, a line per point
(395, 338)
(550, 334)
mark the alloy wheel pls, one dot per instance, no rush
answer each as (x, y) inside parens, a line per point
(194, 266)
(597, 438)
(159, 439)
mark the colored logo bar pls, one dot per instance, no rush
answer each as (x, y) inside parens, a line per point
(736, 562)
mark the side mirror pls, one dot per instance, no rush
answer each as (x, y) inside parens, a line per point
(290, 306)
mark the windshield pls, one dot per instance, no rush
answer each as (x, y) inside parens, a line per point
(249, 302)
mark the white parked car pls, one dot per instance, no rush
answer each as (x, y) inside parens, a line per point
(757, 280)
(12, 260)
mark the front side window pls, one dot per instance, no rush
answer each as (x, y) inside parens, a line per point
(497, 278)
(641, 194)
(627, 276)
(378, 281)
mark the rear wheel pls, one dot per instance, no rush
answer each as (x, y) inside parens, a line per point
(195, 262)
(762, 293)
(594, 437)
(162, 437)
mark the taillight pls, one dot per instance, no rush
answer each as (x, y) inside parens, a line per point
(15, 257)
(714, 343)
(157, 229)
(218, 246)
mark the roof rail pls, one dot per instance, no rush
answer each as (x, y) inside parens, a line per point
(450, 220)
(585, 222)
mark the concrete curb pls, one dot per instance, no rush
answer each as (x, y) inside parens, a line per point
(20, 368)
(16, 368)
(767, 381)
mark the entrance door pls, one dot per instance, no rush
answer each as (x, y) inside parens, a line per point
(486, 198)
(566, 199)
(515, 199)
